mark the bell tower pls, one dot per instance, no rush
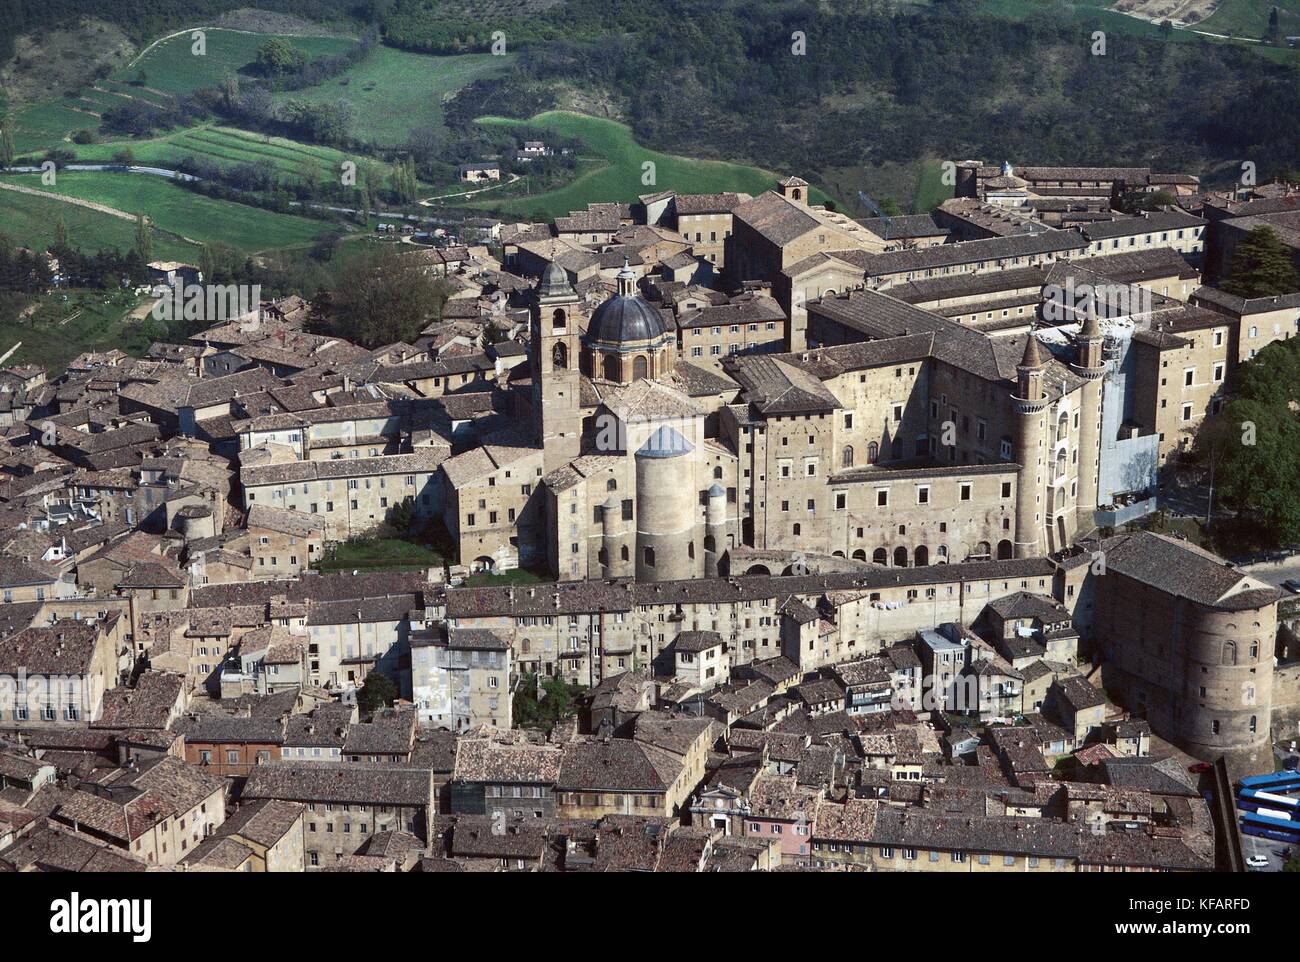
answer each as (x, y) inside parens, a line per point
(556, 382)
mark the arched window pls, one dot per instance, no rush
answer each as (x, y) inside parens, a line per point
(798, 528)
(873, 452)
(559, 320)
(982, 552)
(710, 543)
(880, 556)
(527, 645)
(640, 369)
(613, 372)
(717, 473)
(848, 455)
(622, 553)
(921, 556)
(941, 554)
(649, 555)
(1229, 653)
(797, 194)
(1004, 550)
(560, 357)
(860, 555)
(611, 484)
(900, 557)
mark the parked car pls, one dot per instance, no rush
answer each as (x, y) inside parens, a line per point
(1200, 768)
(1257, 861)
(1292, 585)
(1291, 763)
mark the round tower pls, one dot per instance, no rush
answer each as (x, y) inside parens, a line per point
(665, 509)
(1228, 682)
(715, 528)
(1031, 433)
(615, 541)
(1092, 368)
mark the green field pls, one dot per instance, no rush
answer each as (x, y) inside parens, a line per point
(171, 67)
(179, 211)
(43, 125)
(30, 222)
(378, 554)
(393, 92)
(1249, 18)
(930, 188)
(66, 323)
(225, 145)
(619, 174)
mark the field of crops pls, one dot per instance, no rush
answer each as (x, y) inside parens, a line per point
(393, 92)
(225, 145)
(620, 175)
(176, 210)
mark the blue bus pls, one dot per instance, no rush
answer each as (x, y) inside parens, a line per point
(1271, 800)
(1277, 782)
(1277, 835)
(1267, 821)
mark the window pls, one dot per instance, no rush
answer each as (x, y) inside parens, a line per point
(966, 490)
(882, 497)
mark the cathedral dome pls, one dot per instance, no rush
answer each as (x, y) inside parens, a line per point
(625, 318)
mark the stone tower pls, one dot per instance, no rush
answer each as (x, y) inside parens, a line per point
(1092, 368)
(1031, 409)
(556, 381)
(666, 506)
(794, 188)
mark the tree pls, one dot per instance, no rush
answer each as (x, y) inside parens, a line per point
(7, 151)
(277, 57)
(1261, 266)
(143, 238)
(542, 706)
(377, 692)
(402, 515)
(385, 295)
(1255, 441)
(60, 234)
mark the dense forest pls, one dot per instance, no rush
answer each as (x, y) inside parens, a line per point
(890, 86)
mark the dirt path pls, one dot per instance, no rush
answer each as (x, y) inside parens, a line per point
(89, 205)
(429, 201)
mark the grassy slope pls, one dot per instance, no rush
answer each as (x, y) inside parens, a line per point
(30, 222)
(69, 322)
(1238, 12)
(1249, 18)
(393, 92)
(930, 188)
(180, 211)
(619, 178)
(225, 145)
(172, 67)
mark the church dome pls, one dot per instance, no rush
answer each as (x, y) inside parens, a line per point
(625, 318)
